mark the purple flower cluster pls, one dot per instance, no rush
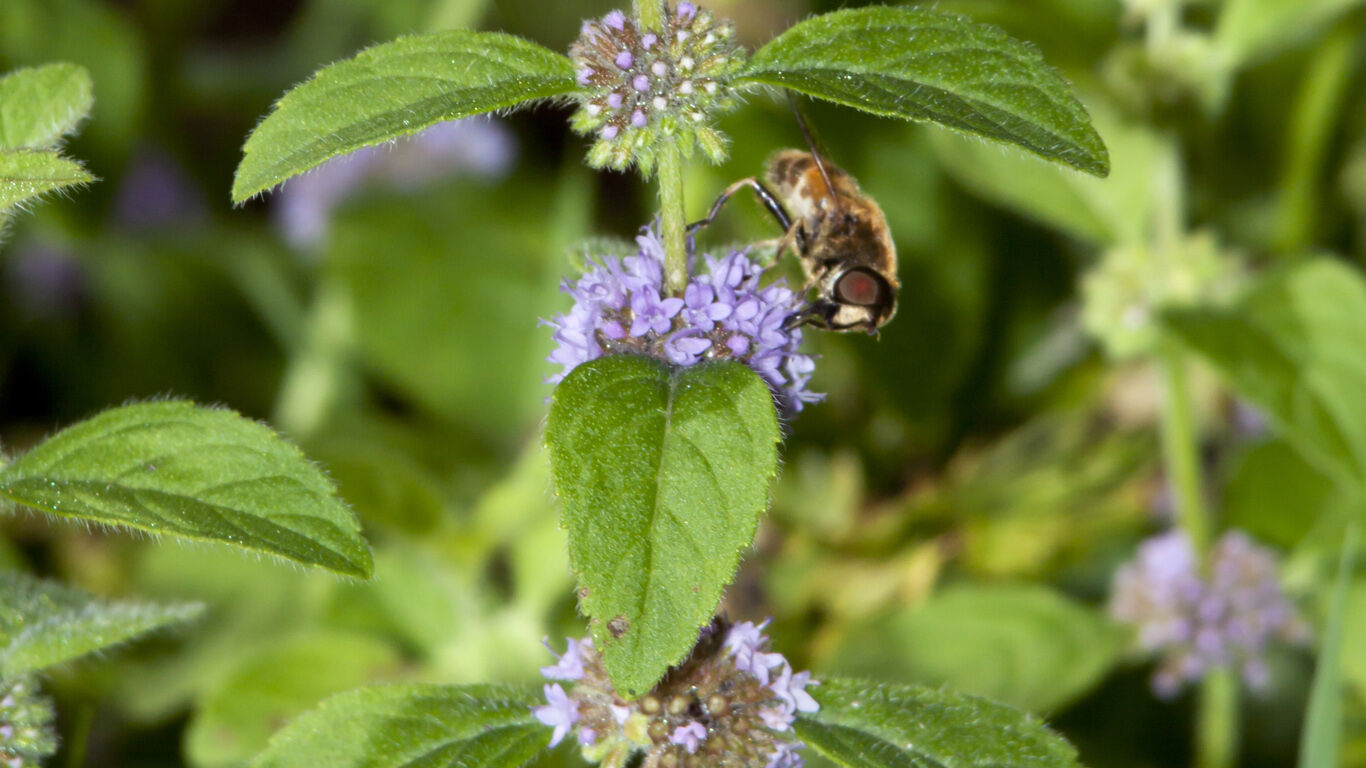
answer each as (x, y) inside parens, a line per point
(638, 83)
(724, 314)
(729, 702)
(1196, 620)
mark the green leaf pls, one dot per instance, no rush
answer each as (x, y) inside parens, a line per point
(1249, 30)
(200, 473)
(475, 726)
(1292, 345)
(43, 624)
(1267, 479)
(27, 174)
(1023, 645)
(663, 473)
(919, 64)
(40, 106)
(393, 90)
(237, 717)
(1322, 740)
(878, 725)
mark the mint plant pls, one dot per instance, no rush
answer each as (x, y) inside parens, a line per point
(663, 430)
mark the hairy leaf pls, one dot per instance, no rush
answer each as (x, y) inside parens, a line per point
(877, 725)
(920, 64)
(476, 726)
(663, 473)
(1292, 345)
(26, 174)
(39, 106)
(393, 90)
(201, 473)
(43, 624)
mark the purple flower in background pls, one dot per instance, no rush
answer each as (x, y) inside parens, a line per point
(304, 205)
(1225, 617)
(155, 192)
(710, 708)
(724, 314)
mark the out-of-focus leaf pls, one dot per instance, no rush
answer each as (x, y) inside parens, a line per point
(396, 89)
(27, 174)
(1025, 646)
(39, 106)
(1275, 495)
(1249, 30)
(663, 473)
(1116, 209)
(1321, 741)
(43, 624)
(237, 717)
(386, 488)
(1292, 345)
(446, 290)
(200, 473)
(1353, 637)
(879, 725)
(477, 726)
(919, 64)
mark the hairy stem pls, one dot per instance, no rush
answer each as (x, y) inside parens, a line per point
(673, 221)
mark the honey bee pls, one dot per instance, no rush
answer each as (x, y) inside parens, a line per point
(839, 235)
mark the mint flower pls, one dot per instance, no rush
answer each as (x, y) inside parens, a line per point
(724, 314)
(1195, 621)
(26, 734)
(732, 702)
(643, 87)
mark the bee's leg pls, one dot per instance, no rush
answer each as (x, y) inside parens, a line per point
(816, 314)
(766, 198)
(790, 239)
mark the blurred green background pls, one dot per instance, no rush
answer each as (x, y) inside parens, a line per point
(951, 514)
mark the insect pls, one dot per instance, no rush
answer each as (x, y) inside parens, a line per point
(838, 233)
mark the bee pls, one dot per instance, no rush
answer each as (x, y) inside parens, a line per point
(839, 235)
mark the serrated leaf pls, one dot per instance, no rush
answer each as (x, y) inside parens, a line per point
(43, 624)
(26, 174)
(39, 106)
(201, 473)
(663, 473)
(1292, 345)
(235, 719)
(395, 89)
(476, 726)
(1023, 645)
(878, 725)
(920, 64)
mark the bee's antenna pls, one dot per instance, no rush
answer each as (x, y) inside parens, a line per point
(815, 153)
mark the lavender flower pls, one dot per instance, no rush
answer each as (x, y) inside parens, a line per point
(712, 709)
(643, 87)
(724, 314)
(303, 210)
(1225, 617)
(26, 733)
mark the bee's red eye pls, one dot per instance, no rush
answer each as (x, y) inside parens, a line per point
(858, 287)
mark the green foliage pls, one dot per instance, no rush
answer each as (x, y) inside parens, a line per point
(920, 64)
(663, 473)
(478, 726)
(1270, 478)
(200, 473)
(38, 107)
(395, 89)
(1292, 346)
(43, 624)
(1023, 645)
(1321, 743)
(236, 718)
(871, 725)
(1251, 30)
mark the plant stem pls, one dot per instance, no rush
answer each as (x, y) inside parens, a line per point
(1216, 736)
(318, 376)
(1180, 450)
(673, 222)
